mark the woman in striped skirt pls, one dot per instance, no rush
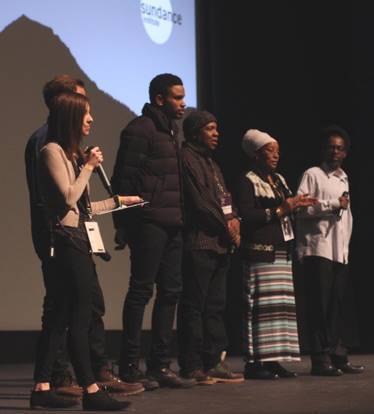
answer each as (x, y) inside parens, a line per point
(265, 204)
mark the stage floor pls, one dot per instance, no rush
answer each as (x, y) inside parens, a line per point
(353, 394)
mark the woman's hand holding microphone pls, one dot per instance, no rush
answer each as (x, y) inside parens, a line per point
(93, 158)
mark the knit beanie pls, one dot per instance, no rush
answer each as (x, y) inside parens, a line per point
(253, 140)
(195, 121)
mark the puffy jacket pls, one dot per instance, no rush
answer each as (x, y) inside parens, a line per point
(147, 165)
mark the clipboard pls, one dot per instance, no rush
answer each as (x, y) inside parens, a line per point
(123, 207)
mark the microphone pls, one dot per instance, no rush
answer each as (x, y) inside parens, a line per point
(102, 175)
(341, 210)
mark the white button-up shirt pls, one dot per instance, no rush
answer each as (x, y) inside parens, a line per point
(318, 231)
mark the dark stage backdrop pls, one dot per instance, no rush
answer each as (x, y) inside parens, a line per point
(291, 68)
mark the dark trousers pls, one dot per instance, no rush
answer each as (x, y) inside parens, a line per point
(201, 327)
(156, 254)
(326, 282)
(49, 302)
(55, 346)
(74, 304)
(41, 240)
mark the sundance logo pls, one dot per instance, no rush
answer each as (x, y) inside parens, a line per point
(158, 19)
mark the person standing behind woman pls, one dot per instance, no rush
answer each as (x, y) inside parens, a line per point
(64, 175)
(265, 203)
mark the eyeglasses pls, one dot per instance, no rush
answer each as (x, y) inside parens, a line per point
(338, 148)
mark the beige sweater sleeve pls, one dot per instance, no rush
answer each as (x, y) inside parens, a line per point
(103, 205)
(69, 187)
(57, 168)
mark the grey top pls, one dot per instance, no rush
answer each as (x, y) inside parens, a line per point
(61, 189)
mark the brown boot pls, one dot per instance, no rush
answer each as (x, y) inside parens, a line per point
(222, 373)
(63, 384)
(106, 378)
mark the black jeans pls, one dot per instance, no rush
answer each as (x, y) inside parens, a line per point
(74, 302)
(156, 254)
(201, 327)
(326, 282)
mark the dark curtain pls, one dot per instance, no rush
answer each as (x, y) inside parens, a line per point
(290, 68)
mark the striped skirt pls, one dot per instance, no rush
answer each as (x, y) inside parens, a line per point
(270, 326)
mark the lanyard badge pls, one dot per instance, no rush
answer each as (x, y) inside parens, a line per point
(94, 237)
(226, 204)
(286, 226)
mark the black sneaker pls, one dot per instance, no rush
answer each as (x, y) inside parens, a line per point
(325, 370)
(276, 368)
(168, 378)
(257, 370)
(49, 399)
(132, 374)
(348, 368)
(102, 401)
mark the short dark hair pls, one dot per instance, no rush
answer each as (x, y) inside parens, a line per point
(335, 130)
(65, 121)
(160, 85)
(60, 84)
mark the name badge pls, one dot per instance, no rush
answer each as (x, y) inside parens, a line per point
(226, 204)
(94, 237)
(287, 230)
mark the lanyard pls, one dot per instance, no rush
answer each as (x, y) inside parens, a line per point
(219, 185)
(84, 203)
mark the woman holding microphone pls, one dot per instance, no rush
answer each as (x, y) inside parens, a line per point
(65, 171)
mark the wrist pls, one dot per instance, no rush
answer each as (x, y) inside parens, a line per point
(117, 200)
(89, 167)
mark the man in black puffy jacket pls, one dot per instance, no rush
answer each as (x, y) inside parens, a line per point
(148, 163)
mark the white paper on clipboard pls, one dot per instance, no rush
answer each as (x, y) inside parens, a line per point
(122, 208)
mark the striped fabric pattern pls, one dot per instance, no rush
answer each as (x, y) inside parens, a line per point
(270, 326)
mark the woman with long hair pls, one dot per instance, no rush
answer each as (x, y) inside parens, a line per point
(65, 170)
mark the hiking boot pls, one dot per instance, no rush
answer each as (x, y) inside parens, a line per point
(168, 378)
(63, 383)
(133, 374)
(199, 376)
(222, 373)
(106, 378)
(49, 399)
